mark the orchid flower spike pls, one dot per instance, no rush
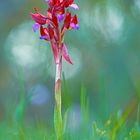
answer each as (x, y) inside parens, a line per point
(50, 28)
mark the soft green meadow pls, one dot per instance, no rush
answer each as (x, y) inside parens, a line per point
(114, 128)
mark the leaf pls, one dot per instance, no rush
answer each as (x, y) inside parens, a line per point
(58, 124)
(65, 120)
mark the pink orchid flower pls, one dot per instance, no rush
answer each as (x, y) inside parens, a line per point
(51, 28)
(53, 25)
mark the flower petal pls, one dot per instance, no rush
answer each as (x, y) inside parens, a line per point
(51, 32)
(67, 20)
(39, 18)
(55, 20)
(44, 37)
(55, 52)
(44, 33)
(35, 27)
(75, 6)
(65, 54)
(74, 26)
(74, 19)
(60, 17)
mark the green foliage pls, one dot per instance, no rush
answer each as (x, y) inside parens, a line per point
(115, 128)
(41, 131)
(84, 104)
(20, 109)
(58, 125)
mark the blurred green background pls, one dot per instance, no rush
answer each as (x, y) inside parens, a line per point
(105, 52)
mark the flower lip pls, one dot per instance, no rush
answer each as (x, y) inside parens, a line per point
(35, 27)
(74, 26)
(44, 37)
(60, 17)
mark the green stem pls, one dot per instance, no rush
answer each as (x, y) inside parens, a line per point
(57, 112)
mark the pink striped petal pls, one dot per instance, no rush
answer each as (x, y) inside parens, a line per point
(75, 6)
(65, 54)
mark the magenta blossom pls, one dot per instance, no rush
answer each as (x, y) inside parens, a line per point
(51, 28)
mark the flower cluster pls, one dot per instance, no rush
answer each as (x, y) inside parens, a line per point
(53, 25)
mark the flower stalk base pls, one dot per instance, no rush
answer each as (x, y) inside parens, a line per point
(58, 124)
